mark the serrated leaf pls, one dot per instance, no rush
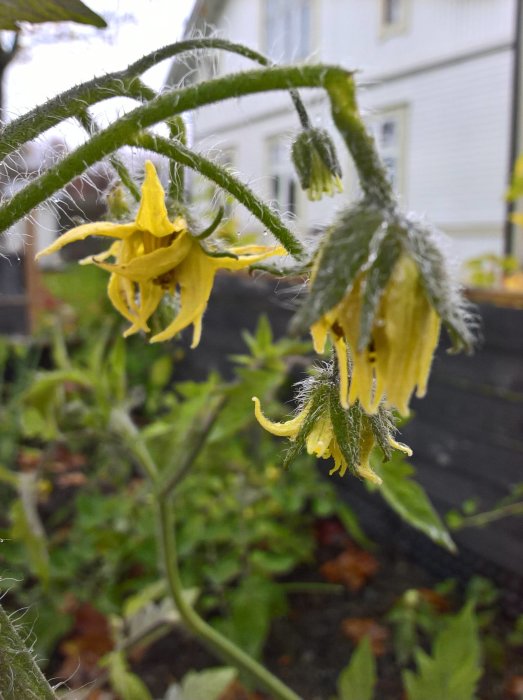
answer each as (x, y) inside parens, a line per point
(409, 500)
(375, 281)
(126, 683)
(12, 12)
(207, 685)
(341, 257)
(357, 680)
(453, 670)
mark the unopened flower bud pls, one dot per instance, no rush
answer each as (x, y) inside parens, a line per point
(314, 157)
(117, 203)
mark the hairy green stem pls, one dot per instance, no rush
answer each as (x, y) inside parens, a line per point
(157, 110)
(178, 132)
(124, 83)
(20, 676)
(226, 181)
(126, 429)
(222, 646)
(373, 177)
(91, 127)
(196, 440)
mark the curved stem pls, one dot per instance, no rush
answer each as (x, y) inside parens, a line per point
(20, 676)
(373, 176)
(117, 84)
(91, 127)
(490, 516)
(222, 646)
(228, 182)
(159, 109)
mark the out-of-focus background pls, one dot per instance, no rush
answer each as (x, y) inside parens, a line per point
(441, 90)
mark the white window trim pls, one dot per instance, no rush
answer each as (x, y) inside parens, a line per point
(400, 113)
(287, 172)
(387, 30)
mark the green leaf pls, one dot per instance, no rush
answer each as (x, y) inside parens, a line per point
(253, 605)
(350, 522)
(343, 255)
(453, 670)
(125, 683)
(409, 500)
(27, 527)
(207, 685)
(357, 680)
(12, 12)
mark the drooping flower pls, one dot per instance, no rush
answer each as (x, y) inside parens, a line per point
(403, 338)
(154, 256)
(323, 428)
(314, 157)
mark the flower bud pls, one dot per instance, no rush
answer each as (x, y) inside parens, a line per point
(314, 157)
(117, 204)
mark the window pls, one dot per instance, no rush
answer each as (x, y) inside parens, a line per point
(389, 130)
(287, 29)
(393, 16)
(283, 185)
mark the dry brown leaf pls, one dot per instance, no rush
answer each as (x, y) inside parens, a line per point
(514, 687)
(353, 567)
(356, 628)
(89, 640)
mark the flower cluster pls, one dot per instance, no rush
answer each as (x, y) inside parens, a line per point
(325, 429)
(397, 358)
(153, 256)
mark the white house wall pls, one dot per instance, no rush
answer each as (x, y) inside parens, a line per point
(450, 69)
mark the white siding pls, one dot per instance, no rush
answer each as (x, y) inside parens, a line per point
(451, 69)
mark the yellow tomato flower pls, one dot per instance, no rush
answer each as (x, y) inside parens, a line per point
(155, 256)
(321, 440)
(404, 338)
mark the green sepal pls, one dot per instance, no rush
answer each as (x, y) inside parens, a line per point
(440, 289)
(382, 428)
(212, 226)
(318, 404)
(37, 11)
(342, 256)
(219, 253)
(346, 425)
(374, 283)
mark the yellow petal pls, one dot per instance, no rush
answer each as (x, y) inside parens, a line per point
(319, 331)
(290, 428)
(152, 214)
(248, 255)
(367, 442)
(111, 252)
(319, 439)
(150, 296)
(80, 233)
(400, 446)
(340, 464)
(121, 295)
(152, 265)
(195, 277)
(429, 343)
